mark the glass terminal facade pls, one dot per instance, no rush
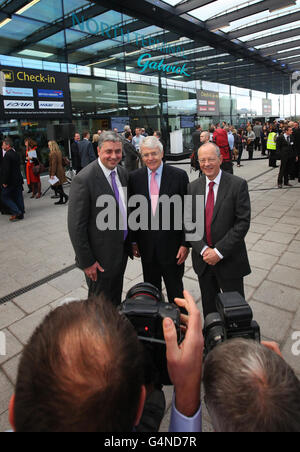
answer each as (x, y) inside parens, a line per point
(109, 68)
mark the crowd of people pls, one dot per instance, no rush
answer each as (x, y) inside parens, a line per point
(279, 141)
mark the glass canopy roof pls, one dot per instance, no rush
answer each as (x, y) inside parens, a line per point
(113, 35)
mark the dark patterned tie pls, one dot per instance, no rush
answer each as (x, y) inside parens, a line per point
(119, 201)
(209, 211)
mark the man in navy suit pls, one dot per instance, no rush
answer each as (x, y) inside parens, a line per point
(86, 150)
(12, 181)
(163, 250)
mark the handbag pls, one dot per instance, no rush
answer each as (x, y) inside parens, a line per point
(38, 169)
(65, 162)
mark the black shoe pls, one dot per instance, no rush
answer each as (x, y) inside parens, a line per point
(66, 199)
(59, 203)
(20, 217)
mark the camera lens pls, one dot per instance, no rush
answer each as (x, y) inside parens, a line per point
(214, 331)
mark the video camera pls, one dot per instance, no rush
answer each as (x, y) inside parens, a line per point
(146, 308)
(234, 319)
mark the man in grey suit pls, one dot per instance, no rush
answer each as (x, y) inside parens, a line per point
(86, 150)
(220, 257)
(102, 247)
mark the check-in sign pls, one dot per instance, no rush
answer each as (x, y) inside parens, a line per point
(17, 92)
(18, 105)
(51, 105)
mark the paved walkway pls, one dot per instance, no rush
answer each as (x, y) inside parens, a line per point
(39, 246)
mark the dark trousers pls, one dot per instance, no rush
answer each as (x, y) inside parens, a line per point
(110, 285)
(241, 150)
(272, 159)
(12, 197)
(211, 286)
(250, 149)
(257, 144)
(172, 275)
(285, 169)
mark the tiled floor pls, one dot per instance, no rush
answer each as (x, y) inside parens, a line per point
(39, 246)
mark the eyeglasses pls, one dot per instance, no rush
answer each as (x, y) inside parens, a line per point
(203, 161)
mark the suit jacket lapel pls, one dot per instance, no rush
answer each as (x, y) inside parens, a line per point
(145, 188)
(122, 177)
(104, 185)
(164, 180)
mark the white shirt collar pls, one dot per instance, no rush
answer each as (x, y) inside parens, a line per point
(107, 172)
(217, 180)
(158, 171)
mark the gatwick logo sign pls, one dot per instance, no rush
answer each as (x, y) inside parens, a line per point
(146, 62)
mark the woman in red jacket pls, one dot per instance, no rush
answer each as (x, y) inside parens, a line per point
(33, 180)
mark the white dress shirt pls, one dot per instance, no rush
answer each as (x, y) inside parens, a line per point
(217, 182)
(107, 173)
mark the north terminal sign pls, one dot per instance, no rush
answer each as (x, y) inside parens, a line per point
(145, 61)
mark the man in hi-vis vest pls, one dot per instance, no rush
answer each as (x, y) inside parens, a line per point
(271, 147)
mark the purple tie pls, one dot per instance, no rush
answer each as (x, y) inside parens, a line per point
(119, 201)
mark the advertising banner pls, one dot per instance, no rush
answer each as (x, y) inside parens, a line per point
(208, 103)
(33, 94)
(267, 107)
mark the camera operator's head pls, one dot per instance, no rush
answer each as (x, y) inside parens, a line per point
(249, 388)
(82, 370)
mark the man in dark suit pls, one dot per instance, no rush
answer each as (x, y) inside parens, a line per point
(163, 249)
(196, 138)
(285, 148)
(3, 207)
(12, 181)
(76, 160)
(132, 156)
(219, 256)
(102, 247)
(86, 150)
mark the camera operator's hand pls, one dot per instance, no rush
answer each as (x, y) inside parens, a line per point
(274, 347)
(185, 360)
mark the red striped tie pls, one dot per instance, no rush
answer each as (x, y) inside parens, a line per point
(209, 211)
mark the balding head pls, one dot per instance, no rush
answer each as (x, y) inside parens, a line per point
(82, 370)
(210, 160)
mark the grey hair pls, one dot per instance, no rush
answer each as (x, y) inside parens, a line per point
(217, 149)
(109, 136)
(152, 143)
(249, 388)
